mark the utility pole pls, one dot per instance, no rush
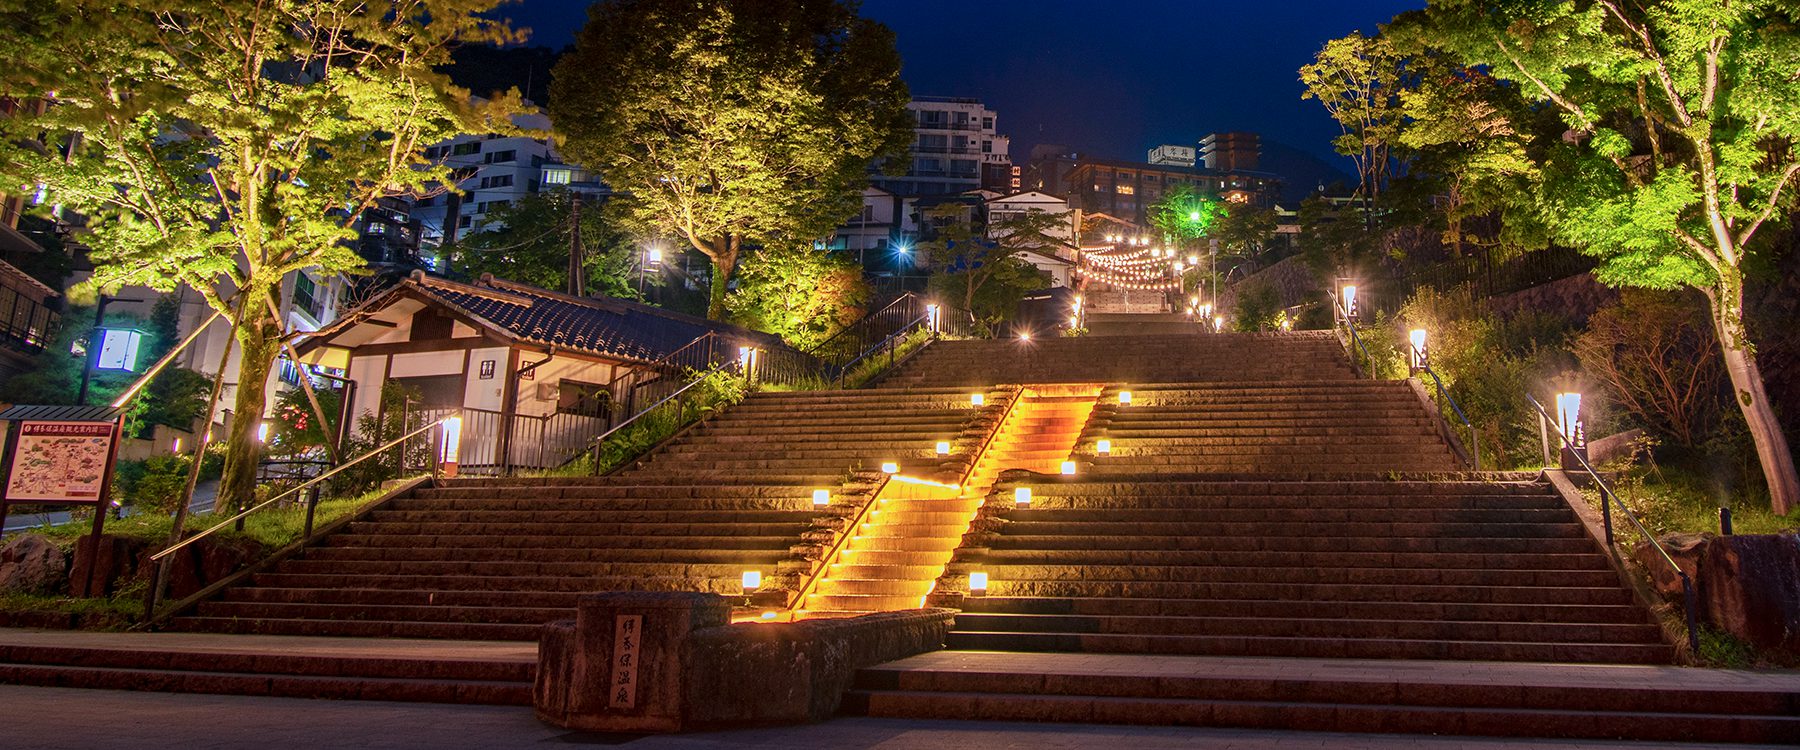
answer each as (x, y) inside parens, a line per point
(577, 275)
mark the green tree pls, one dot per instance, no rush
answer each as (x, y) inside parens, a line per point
(1183, 215)
(224, 145)
(732, 123)
(1244, 230)
(1683, 140)
(802, 295)
(1358, 80)
(529, 242)
(979, 264)
(1471, 139)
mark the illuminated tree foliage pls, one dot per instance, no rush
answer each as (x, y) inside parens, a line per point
(802, 295)
(732, 123)
(1359, 80)
(528, 242)
(1183, 215)
(1682, 141)
(978, 265)
(223, 145)
(1244, 230)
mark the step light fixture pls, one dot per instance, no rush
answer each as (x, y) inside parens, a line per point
(1103, 447)
(1068, 468)
(943, 448)
(976, 399)
(1022, 497)
(978, 584)
(821, 498)
(890, 467)
(752, 580)
(1124, 398)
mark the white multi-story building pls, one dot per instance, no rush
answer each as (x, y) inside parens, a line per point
(493, 171)
(955, 149)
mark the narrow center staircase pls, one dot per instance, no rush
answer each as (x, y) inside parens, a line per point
(894, 556)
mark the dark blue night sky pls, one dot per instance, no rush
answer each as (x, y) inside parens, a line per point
(1111, 78)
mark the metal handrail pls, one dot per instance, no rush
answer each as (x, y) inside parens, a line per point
(1350, 325)
(594, 449)
(1474, 438)
(905, 330)
(303, 485)
(837, 547)
(1608, 499)
(824, 345)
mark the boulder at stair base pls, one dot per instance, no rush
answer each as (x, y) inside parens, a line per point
(1750, 587)
(32, 564)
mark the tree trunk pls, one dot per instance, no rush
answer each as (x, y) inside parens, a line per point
(724, 263)
(259, 339)
(1752, 399)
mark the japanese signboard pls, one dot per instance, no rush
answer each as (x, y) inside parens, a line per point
(627, 640)
(60, 461)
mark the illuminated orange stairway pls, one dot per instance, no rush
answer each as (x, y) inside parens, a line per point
(898, 551)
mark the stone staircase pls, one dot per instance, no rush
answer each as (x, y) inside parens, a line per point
(814, 438)
(1156, 358)
(1271, 566)
(1321, 426)
(494, 559)
(896, 555)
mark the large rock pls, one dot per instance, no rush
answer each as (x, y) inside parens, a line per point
(32, 564)
(1686, 549)
(1750, 587)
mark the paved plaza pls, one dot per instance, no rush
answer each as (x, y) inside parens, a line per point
(68, 719)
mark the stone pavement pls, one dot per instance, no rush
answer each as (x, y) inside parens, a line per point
(58, 718)
(1377, 672)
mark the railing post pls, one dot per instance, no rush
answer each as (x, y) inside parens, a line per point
(312, 505)
(1691, 600)
(1606, 516)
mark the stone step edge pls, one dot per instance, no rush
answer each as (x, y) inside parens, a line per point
(1335, 717)
(270, 685)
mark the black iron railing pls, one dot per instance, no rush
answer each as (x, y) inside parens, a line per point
(1607, 501)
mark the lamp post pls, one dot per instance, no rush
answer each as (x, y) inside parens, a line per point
(652, 259)
(96, 341)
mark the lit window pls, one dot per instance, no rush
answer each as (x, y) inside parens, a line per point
(556, 177)
(1125, 189)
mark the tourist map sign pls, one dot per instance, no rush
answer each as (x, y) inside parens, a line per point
(60, 461)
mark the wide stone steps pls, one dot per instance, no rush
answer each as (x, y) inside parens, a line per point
(271, 671)
(1228, 624)
(1094, 573)
(1337, 592)
(552, 600)
(1313, 560)
(1241, 543)
(601, 514)
(1156, 533)
(1291, 514)
(691, 549)
(1301, 609)
(1563, 702)
(389, 612)
(1333, 647)
(473, 631)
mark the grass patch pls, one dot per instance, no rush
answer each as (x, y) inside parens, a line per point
(1684, 495)
(272, 527)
